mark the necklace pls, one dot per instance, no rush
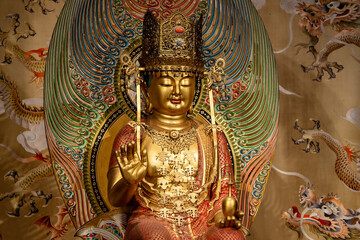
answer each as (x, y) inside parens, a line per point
(174, 141)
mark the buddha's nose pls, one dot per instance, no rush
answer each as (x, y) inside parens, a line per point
(176, 89)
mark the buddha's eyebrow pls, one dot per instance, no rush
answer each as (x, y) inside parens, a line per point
(186, 76)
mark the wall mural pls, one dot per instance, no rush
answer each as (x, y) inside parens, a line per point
(316, 45)
(321, 43)
(329, 217)
(343, 17)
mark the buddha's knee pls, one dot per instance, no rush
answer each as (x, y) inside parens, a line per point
(215, 233)
(147, 229)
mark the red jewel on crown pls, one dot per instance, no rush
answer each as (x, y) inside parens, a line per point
(179, 29)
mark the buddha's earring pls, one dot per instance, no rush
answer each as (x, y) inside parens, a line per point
(191, 110)
(149, 108)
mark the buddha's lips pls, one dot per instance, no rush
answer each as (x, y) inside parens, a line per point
(175, 101)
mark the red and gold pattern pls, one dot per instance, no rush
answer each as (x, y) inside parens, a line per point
(144, 221)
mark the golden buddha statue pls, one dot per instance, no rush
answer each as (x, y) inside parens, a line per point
(176, 171)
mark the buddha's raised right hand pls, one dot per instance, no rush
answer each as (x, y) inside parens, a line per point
(133, 169)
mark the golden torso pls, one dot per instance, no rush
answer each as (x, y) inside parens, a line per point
(172, 183)
(163, 163)
(179, 154)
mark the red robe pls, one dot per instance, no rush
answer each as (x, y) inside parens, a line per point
(146, 224)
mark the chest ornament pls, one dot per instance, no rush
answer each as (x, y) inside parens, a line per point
(174, 141)
(176, 193)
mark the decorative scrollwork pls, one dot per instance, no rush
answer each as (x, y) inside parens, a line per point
(215, 77)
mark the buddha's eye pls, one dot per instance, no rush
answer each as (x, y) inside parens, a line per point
(166, 84)
(186, 82)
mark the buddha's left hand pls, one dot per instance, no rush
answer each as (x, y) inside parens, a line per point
(233, 221)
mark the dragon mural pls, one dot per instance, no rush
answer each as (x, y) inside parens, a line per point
(18, 111)
(344, 154)
(58, 229)
(42, 3)
(9, 39)
(33, 60)
(22, 195)
(343, 16)
(35, 64)
(329, 217)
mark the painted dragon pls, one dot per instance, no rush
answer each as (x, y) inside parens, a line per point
(344, 155)
(18, 111)
(60, 228)
(9, 40)
(329, 217)
(22, 194)
(343, 16)
(42, 3)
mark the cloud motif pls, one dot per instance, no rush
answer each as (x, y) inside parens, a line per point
(353, 116)
(34, 140)
(258, 3)
(287, 92)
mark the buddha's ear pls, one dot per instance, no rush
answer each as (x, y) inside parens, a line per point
(145, 93)
(149, 109)
(144, 90)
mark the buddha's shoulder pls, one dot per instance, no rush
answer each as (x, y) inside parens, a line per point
(128, 130)
(204, 128)
(200, 124)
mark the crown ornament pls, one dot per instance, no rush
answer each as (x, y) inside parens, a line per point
(174, 44)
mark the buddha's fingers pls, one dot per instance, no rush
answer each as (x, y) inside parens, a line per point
(238, 224)
(135, 154)
(144, 158)
(130, 151)
(124, 161)
(239, 214)
(118, 158)
(227, 221)
(231, 221)
(222, 223)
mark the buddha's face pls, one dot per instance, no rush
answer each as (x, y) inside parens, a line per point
(172, 93)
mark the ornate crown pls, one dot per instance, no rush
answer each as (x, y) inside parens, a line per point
(174, 44)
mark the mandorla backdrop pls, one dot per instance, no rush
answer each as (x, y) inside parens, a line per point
(313, 188)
